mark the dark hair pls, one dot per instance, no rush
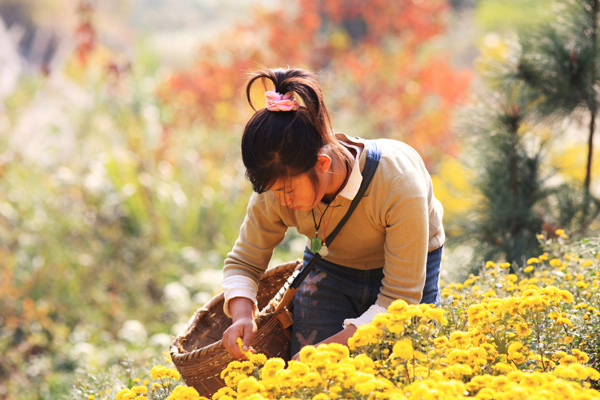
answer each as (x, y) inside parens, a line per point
(278, 145)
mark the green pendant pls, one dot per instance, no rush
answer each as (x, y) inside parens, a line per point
(316, 244)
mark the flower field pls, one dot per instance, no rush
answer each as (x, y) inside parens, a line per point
(512, 332)
(122, 190)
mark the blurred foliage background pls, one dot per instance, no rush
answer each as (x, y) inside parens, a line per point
(121, 183)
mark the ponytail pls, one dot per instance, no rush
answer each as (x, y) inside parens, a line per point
(279, 145)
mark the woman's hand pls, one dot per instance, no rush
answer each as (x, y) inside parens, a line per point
(340, 337)
(243, 326)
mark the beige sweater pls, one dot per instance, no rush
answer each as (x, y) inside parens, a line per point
(394, 226)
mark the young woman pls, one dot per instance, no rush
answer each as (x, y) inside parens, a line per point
(305, 176)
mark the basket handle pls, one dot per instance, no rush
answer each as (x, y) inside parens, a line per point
(287, 297)
(285, 319)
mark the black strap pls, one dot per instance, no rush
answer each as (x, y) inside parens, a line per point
(371, 163)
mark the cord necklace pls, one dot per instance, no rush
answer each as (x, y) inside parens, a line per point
(316, 243)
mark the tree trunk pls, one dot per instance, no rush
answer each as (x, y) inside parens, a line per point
(514, 180)
(592, 104)
(588, 171)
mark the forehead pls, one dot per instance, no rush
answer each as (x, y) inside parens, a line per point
(282, 185)
(290, 183)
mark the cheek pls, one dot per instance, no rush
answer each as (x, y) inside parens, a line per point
(318, 192)
(311, 196)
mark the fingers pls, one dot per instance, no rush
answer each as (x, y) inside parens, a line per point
(248, 335)
(229, 342)
(245, 331)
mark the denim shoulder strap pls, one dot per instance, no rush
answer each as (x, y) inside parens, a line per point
(371, 163)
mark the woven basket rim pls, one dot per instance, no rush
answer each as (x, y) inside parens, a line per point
(197, 353)
(177, 351)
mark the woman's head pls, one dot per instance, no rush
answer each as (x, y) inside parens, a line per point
(278, 146)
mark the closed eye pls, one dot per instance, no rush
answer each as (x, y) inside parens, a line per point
(281, 191)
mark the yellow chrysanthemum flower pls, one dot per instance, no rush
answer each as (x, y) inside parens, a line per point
(397, 328)
(555, 262)
(382, 319)
(587, 263)
(120, 393)
(457, 338)
(523, 330)
(440, 341)
(580, 355)
(312, 380)
(246, 353)
(285, 378)
(398, 307)
(237, 379)
(249, 386)
(339, 351)
(157, 372)
(306, 353)
(365, 388)
(298, 368)
(564, 321)
(436, 314)
(139, 389)
(172, 373)
(593, 374)
(403, 349)
(255, 396)
(224, 391)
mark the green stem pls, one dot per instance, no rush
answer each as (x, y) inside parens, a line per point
(539, 340)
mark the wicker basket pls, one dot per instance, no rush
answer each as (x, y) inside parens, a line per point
(198, 352)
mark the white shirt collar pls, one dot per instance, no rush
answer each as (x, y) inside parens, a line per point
(349, 191)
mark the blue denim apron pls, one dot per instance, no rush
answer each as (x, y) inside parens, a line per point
(332, 293)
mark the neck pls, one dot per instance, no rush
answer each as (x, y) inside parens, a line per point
(340, 171)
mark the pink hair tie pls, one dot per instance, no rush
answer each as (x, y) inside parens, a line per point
(278, 102)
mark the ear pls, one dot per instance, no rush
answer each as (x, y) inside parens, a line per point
(323, 163)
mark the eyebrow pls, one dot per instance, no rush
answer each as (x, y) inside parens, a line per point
(281, 189)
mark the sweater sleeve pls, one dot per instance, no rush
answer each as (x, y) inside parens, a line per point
(406, 241)
(366, 317)
(239, 286)
(261, 231)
